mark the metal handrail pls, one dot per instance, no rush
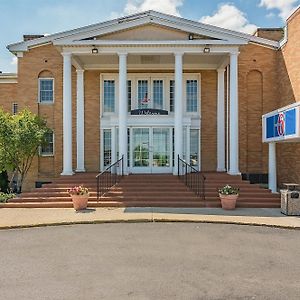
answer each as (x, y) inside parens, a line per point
(192, 178)
(109, 177)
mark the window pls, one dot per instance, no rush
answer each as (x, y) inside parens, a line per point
(143, 98)
(191, 95)
(48, 147)
(194, 147)
(129, 94)
(109, 95)
(172, 94)
(158, 93)
(106, 147)
(46, 90)
(14, 108)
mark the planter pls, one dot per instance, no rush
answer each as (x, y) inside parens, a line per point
(80, 201)
(228, 201)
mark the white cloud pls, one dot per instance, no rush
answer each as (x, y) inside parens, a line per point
(270, 15)
(230, 17)
(285, 7)
(14, 61)
(164, 6)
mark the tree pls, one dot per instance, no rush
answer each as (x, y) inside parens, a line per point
(4, 182)
(20, 138)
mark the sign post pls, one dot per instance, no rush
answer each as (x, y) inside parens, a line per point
(282, 125)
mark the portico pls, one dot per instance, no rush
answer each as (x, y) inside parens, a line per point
(177, 120)
(132, 50)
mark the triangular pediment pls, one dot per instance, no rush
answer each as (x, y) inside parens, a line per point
(149, 25)
(151, 32)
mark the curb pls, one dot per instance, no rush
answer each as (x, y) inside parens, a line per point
(68, 223)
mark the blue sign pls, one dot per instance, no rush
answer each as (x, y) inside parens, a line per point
(281, 124)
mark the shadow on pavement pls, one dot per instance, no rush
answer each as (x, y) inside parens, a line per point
(251, 212)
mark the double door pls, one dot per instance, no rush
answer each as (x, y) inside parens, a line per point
(151, 150)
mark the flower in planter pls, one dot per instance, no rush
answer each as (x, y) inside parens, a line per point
(228, 190)
(78, 190)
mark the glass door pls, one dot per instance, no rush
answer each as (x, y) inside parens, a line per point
(161, 154)
(151, 150)
(140, 149)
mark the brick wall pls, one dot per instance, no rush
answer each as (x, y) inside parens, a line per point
(8, 96)
(275, 34)
(258, 94)
(288, 154)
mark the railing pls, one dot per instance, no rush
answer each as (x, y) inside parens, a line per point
(109, 177)
(192, 178)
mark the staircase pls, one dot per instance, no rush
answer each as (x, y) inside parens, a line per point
(145, 190)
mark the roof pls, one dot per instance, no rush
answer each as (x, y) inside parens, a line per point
(8, 78)
(134, 20)
(293, 14)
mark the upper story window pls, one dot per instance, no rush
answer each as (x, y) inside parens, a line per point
(151, 91)
(142, 93)
(46, 90)
(14, 108)
(192, 95)
(158, 94)
(47, 149)
(109, 95)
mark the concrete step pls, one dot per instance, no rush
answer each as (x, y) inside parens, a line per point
(146, 190)
(137, 204)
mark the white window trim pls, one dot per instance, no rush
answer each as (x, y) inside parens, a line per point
(101, 159)
(192, 77)
(48, 154)
(134, 77)
(13, 106)
(39, 91)
(116, 79)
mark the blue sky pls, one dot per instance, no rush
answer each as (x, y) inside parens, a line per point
(20, 17)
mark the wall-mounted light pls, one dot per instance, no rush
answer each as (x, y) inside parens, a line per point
(94, 50)
(191, 36)
(206, 49)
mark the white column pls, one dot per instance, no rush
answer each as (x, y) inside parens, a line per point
(221, 122)
(67, 115)
(178, 108)
(272, 168)
(123, 108)
(227, 118)
(234, 116)
(80, 121)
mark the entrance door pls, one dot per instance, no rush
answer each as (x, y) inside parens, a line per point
(151, 150)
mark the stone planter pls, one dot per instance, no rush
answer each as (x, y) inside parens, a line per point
(228, 202)
(80, 201)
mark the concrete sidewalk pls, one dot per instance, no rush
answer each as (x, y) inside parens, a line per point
(31, 217)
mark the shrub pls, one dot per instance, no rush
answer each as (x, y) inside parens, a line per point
(4, 197)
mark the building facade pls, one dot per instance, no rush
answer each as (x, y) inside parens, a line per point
(150, 87)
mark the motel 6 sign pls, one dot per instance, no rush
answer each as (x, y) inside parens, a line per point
(282, 124)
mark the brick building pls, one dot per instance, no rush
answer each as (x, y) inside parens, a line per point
(151, 87)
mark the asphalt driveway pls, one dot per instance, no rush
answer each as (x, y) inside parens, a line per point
(150, 261)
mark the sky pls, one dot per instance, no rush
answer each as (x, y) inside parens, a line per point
(20, 17)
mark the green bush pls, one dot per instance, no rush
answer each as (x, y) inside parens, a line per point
(4, 197)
